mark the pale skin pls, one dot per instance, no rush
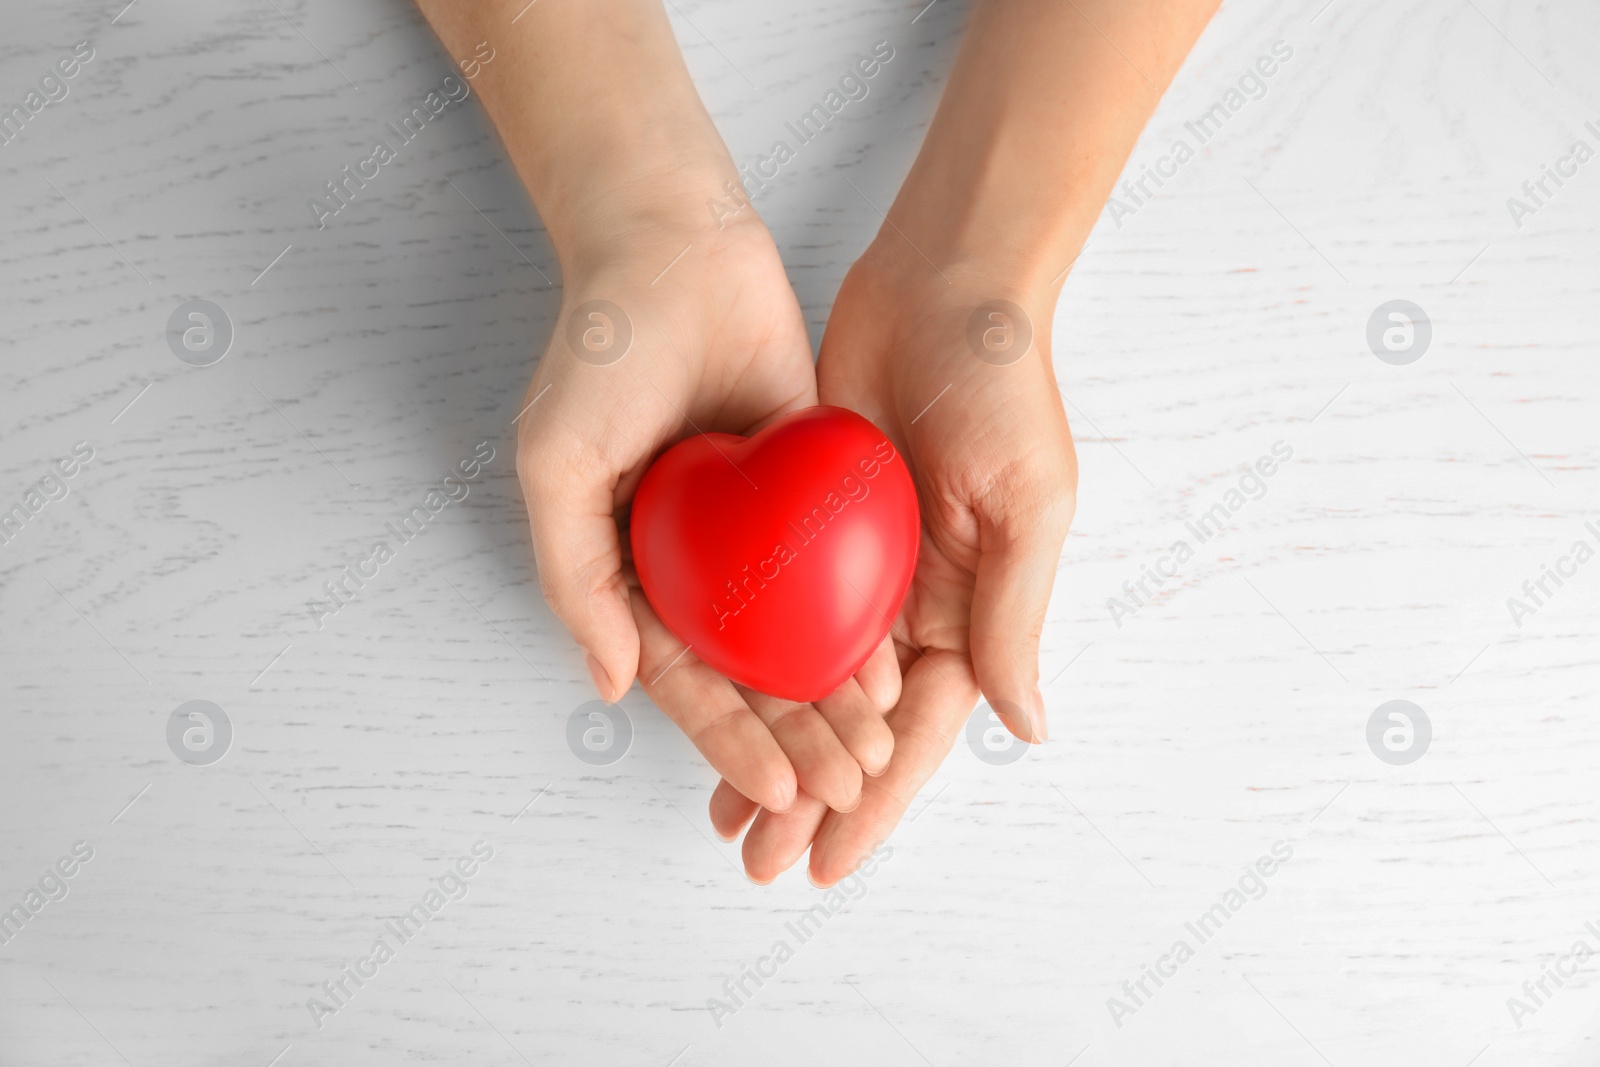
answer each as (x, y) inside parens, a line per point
(1045, 101)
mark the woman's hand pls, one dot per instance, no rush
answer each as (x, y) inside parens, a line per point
(676, 317)
(965, 388)
(677, 328)
(1043, 106)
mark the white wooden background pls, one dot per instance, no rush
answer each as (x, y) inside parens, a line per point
(1231, 714)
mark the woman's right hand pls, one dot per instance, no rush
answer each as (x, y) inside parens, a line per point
(673, 324)
(676, 317)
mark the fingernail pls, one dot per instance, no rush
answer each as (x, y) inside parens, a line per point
(753, 880)
(1041, 730)
(815, 884)
(602, 681)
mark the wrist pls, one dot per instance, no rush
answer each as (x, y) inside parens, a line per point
(644, 178)
(979, 227)
(966, 276)
(625, 204)
(600, 118)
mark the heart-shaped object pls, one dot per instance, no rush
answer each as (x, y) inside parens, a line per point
(781, 558)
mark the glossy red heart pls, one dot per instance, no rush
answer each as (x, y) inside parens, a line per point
(781, 558)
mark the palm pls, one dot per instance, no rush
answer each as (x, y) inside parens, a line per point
(717, 342)
(651, 347)
(964, 425)
(989, 448)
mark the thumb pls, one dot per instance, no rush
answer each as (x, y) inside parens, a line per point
(579, 557)
(1016, 570)
(781, 379)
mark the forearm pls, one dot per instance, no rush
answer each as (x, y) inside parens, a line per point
(597, 112)
(1044, 104)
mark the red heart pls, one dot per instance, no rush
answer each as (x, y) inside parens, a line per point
(779, 558)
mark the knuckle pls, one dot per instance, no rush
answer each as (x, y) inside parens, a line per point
(572, 592)
(553, 596)
(835, 780)
(551, 458)
(1029, 494)
(541, 461)
(666, 663)
(539, 486)
(1043, 497)
(713, 725)
(786, 715)
(1055, 514)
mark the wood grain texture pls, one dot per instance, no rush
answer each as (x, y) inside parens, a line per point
(1227, 313)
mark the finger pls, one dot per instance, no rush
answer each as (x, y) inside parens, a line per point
(822, 766)
(776, 839)
(1016, 570)
(711, 714)
(940, 692)
(856, 709)
(773, 401)
(730, 810)
(780, 375)
(570, 505)
(879, 677)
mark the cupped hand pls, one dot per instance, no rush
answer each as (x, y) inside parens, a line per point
(669, 328)
(965, 388)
